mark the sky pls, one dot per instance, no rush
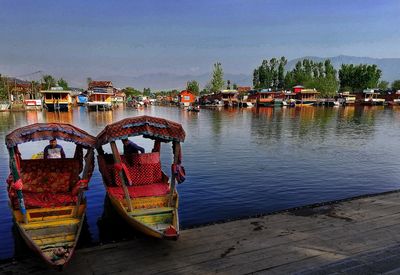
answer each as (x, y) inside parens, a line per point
(95, 38)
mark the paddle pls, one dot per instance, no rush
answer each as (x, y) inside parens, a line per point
(117, 160)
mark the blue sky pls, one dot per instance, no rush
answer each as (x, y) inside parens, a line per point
(78, 39)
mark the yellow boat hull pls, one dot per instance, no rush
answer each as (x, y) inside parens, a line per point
(150, 215)
(52, 233)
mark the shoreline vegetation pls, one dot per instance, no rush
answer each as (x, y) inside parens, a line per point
(271, 76)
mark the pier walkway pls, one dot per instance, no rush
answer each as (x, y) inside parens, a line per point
(358, 236)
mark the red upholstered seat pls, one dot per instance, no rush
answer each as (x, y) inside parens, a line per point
(156, 189)
(47, 183)
(40, 200)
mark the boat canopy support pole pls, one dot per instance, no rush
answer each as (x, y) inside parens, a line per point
(15, 175)
(117, 160)
(176, 146)
(85, 177)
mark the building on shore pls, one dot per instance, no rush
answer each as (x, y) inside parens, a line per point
(57, 99)
(186, 98)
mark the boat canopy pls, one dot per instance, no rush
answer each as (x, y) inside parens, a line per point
(149, 127)
(48, 131)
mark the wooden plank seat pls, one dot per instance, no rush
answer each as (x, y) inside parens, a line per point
(144, 172)
(48, 182)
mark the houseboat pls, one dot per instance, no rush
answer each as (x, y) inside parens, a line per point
(230, 97)
(100, 95)
(56, 99)
(306, 97)
(372, 98)
(393, 98)
(99, 101)
(265, 98)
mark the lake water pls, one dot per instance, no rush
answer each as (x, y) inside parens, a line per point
(239, 162)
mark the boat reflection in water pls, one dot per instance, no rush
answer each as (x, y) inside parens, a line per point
(112, 227)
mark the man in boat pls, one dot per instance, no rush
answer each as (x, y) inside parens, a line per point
(53, 150)
(131, 148)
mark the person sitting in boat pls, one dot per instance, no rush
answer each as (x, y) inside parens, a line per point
(53, 150)
(131, 148)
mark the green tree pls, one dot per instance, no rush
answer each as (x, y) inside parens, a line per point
(146, 91)
(396, 85)
(217, 81)
(383, 85)
(359, 77)
(49, 81)
(3, 88)
(62, 83)
(130, 91)
(193, 86)
(234, 86)
(281, 72)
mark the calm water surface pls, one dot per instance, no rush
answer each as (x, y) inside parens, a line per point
(239, 162)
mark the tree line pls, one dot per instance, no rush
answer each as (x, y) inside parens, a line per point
(322, 76)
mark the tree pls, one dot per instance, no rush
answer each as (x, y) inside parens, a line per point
(62, 83)
(383, 85)
(130, 91)
(234, 86)
(49, 81)
(217, 81)
(146, 91)
(88, 80)
(193, 86)
(3, 88)
(396, 85)
(281, 72)
(206, 90)
(320, 76)
(359, 77)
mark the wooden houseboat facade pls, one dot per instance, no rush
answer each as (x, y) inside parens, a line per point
(56, 99)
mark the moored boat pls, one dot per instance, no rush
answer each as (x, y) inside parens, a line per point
(46, 196)
(137, 187)
(57, 99)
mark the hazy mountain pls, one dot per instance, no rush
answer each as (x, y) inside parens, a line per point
(390, 66)
(167, 81)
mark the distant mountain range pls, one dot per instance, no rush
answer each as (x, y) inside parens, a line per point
(390, 71)
(167, 81)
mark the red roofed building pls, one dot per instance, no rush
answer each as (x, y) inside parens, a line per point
(298, 88)
(186, 98)
(243, 89)
(105, 86)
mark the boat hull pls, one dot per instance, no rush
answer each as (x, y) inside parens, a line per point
(44, 236)
(143, 223)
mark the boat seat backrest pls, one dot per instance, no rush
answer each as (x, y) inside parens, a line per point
(143, 169)
(49, 175)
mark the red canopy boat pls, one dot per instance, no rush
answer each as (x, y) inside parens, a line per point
(46, 195)
(137, 187)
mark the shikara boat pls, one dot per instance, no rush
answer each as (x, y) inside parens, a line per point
(46, 196)
(137, 187)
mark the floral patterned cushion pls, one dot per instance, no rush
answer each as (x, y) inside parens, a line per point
(145, 169)
(54, 175)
